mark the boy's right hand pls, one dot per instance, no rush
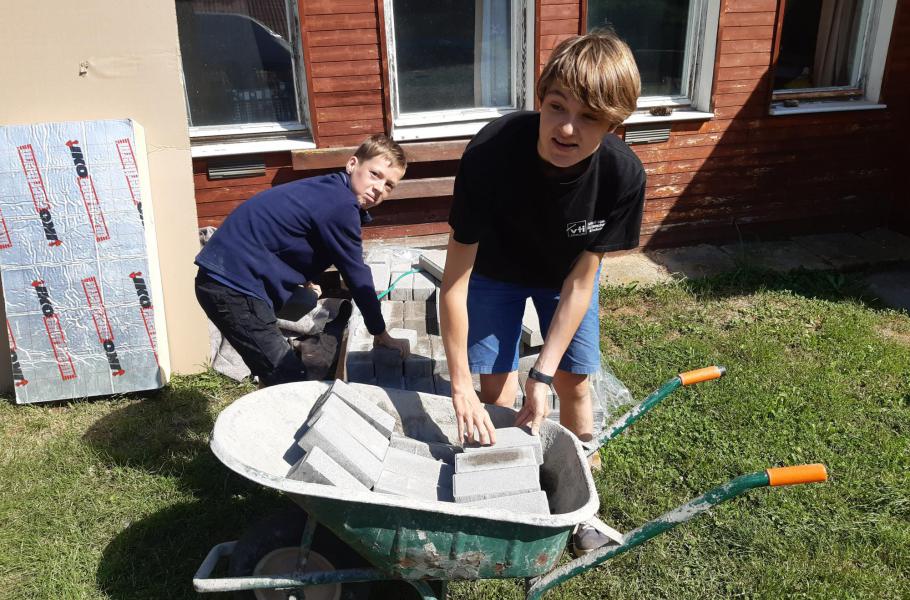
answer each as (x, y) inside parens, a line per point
(470, 415)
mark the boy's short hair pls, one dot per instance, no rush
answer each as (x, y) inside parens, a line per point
(597, 68)
(380, 144)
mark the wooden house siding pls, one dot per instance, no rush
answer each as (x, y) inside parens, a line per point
(740, 173)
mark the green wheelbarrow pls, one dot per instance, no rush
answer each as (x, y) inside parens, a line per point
(349, 543)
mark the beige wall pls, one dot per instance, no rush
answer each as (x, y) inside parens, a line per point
(133, 71)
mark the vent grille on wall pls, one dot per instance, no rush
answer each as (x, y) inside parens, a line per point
(248, 166)
(648, 134)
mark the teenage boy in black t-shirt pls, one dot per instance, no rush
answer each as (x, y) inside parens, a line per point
(539, 197)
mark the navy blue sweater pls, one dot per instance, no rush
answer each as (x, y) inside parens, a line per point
(288, 235)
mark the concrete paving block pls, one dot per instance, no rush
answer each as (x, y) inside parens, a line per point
(494, 457)
(530, 503)
(433, 471)
(423, 286)
(375, 416)
(405, 334)
(434, 450)
(388, 379)
(359, 366)
(438, 354)
(392, 312)
(433, 262)
(318, 467)
(512, 437)
(694, 262)
(402, 485)
(370, 437)
(378, 256)
(420, 384)
(381, 277)
(530, 326)
(418, 326)
(433, 326)
(481, 485)
(419, 362)
(403, 288)
(442, 384)
(402, 260)
(335, 440)
(414, 310)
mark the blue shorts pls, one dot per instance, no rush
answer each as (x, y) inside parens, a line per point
(495, 310)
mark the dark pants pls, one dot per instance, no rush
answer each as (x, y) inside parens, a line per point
(249, 324)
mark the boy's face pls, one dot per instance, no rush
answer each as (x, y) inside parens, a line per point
(569, 131)
(373, 180)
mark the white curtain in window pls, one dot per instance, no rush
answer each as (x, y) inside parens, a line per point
(492, 53)
(836, 42)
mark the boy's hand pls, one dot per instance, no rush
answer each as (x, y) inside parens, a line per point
(536, 407)
(470, 415)
(401, 345)
(315, 287)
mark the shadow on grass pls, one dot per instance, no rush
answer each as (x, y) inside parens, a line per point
(833, 286)
(167, 436)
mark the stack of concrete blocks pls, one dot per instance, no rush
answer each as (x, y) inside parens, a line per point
(411, 312)
(350, 443)
(505, 475)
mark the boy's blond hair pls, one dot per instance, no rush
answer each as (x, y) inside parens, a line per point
(597, 68)
(380, 144)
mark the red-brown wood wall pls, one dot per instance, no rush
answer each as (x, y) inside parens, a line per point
(739, 174)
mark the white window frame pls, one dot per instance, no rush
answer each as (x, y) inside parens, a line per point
(467, 121)
(219, 140)
(878, 25)
(694, 103)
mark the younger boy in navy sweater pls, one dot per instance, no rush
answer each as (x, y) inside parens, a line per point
(285, 237)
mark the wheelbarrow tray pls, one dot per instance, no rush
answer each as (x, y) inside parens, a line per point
(411, 538)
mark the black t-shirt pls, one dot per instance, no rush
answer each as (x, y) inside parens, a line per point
(531, 228)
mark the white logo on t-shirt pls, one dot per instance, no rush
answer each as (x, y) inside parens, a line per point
(576, 229)
(579, 228)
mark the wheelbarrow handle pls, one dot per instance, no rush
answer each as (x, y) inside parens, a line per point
(669, 520)
(642, 408)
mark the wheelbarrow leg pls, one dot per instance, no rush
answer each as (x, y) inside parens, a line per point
(306, 540)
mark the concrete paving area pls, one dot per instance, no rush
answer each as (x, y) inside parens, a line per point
(883, 253)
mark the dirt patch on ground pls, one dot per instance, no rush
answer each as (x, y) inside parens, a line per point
(901, 337)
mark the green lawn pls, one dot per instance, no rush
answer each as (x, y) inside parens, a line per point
(122, 498)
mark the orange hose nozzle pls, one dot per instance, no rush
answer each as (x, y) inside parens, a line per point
(699, 375)
(797, 474)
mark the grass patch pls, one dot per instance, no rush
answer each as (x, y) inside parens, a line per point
(121, 498)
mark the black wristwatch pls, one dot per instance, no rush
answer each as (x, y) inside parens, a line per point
(537, 375)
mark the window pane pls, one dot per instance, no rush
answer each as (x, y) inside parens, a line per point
(820, 44)
(453, 54)
(656, 31)
(237, 61)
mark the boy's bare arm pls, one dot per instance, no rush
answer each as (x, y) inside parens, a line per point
(575, 296)
(453, 311)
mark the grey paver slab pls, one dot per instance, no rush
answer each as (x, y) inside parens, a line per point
(403, 462)
(392, 312)
(402, 485)
(438, 353)
(433, 262)
(404, 286)
(375, 416)
(419, 362)
(423, 287)
(318, 467)
(481, 485)
(381, 277)
(420, 384)
(335, 440)
(533, 503)
(370, 437)
(415, 309)
(494, 457)
(434, 450)
(511, 437)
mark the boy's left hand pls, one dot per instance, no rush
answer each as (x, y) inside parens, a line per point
(402, 345)
(536, 406)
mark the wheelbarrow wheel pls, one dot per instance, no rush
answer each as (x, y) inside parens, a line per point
(270, 546)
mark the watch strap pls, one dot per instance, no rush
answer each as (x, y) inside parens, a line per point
(538, 376)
